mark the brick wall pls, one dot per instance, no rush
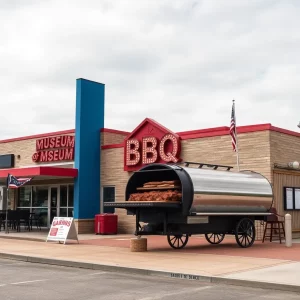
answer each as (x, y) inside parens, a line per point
(284, 148)
(254, 151)
(113, 174)
(109, 138)
(24, 148)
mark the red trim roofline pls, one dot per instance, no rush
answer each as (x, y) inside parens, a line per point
(285, 131)
(197, 131)
(114, 131)
(218, 131)
(112, 146)
(69, 131)
(184, 135)
(37, 136)
(154, 124)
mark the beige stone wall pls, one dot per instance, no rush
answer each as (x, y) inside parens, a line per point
(84, 226)
(254, 150)
(284, 148)
(109, 138)
(24, 148)
(113, 174)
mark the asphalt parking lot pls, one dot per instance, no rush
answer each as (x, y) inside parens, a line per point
(22, 281)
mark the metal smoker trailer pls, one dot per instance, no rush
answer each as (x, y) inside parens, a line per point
(213, 202)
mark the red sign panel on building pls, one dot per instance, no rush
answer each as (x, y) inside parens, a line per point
(58, 148)
(150, 143)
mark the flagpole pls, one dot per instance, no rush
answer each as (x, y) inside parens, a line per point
(236, 140)
(7, 197)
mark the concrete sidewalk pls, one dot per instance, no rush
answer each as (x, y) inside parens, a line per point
(263, 265)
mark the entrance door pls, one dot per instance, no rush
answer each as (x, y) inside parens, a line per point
(53, 203)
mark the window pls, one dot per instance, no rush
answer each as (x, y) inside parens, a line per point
(24, 196)
(109, 196)
(35, 200)
(66, 200)
(291, 196)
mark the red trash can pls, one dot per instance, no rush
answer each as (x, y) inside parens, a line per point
(106, 224)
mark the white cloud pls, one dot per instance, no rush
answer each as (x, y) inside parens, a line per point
(178, 62)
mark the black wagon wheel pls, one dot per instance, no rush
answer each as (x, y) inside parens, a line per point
(214, 238)
(245, 233)
(178, 241)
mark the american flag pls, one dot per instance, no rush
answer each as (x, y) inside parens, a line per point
(233, 128)
(14, 183)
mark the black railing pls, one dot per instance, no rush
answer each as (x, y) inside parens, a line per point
(201, 165)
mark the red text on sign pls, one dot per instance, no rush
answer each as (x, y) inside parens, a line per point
(151, 149)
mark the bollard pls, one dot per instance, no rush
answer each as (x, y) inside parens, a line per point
(288, 230)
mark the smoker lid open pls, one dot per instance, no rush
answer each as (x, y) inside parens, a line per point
(163, 172)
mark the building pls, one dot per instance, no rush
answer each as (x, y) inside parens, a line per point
(74, 171)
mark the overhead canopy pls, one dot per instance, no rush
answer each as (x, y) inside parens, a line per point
(41, 172)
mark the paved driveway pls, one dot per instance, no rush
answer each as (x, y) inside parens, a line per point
(24, 281)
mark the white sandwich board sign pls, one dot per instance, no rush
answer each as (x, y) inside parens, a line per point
(62, 229)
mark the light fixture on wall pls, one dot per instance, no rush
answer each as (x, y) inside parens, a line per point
(18, 156)
(294, 164)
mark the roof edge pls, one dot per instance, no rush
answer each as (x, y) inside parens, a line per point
(285, 131)
(112, 146)
(37, 136)
(109, 130)
(184, 135)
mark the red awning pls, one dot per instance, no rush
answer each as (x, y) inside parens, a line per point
(40, 171)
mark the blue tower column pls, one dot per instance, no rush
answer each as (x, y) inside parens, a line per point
(89, 120)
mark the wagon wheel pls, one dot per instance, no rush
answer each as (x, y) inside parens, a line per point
(178, 241)
(214, 238)
(245, 233)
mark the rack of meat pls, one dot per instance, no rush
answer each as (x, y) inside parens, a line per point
(158, 191)
(196, 198)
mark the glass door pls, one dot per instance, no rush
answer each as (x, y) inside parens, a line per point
(40, 203)
(53, 203)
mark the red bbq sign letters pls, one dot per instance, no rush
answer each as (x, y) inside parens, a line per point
(150, 143)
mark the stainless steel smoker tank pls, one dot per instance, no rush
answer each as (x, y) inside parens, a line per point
(226, 191)
(210, 191)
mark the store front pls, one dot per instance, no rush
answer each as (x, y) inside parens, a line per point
(49, 194)
(47, 202)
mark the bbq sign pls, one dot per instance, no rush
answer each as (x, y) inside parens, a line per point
(150, 143)
(58, 148)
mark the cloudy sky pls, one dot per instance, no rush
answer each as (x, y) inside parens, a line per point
(180, 62)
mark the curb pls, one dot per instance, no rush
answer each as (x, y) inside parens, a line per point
(145, 272)
(22, 238)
